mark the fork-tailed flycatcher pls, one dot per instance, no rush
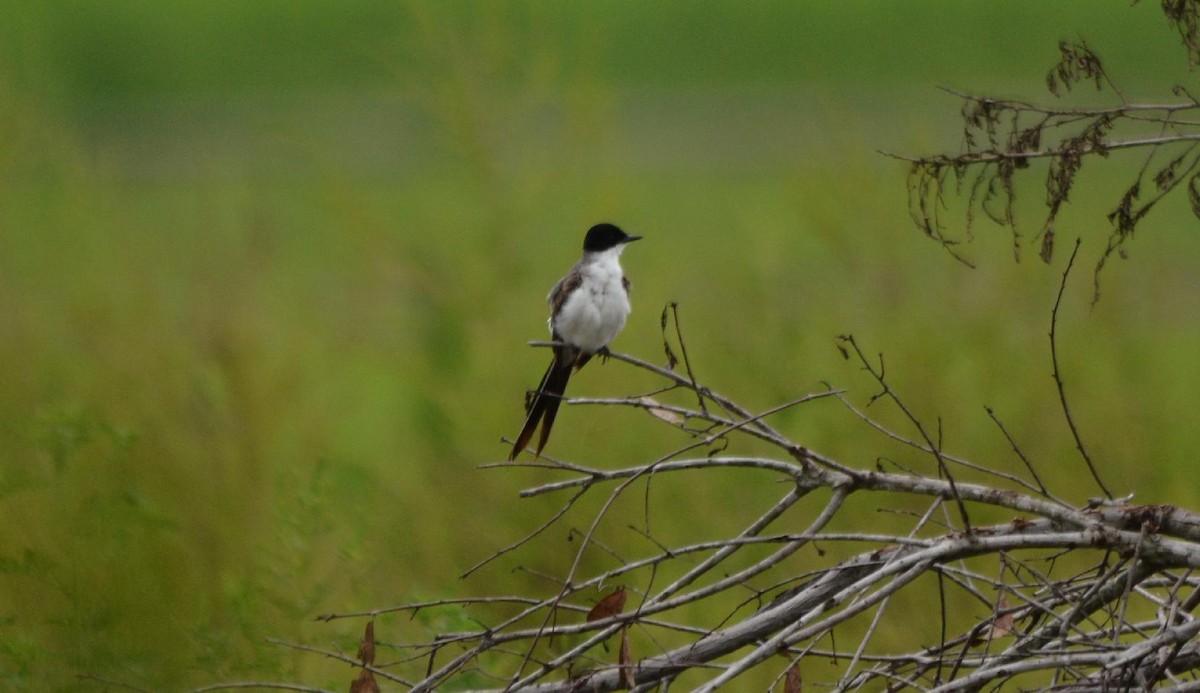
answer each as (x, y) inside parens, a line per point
(588, 308)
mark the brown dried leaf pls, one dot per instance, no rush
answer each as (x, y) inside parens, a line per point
(1026, 141)
(625, 660)
(658, 412)
(609, 606)
(1165, 178)
(1077, 63)
(1182, 16)
(365, 683)
(366, 648)
(999, 192)
(1123, 217)
(1048, 243)
(1003, 624)
(793, 684)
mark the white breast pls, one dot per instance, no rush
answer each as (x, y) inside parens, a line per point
(595, 313)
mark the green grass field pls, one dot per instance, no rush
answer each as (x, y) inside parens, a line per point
(267, 272)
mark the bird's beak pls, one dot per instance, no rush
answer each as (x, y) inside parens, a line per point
(631, 239)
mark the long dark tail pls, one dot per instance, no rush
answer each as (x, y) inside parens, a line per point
(544, 406)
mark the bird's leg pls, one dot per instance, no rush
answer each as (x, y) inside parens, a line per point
(603, 354)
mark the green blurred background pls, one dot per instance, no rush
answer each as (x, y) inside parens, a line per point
(267, 270)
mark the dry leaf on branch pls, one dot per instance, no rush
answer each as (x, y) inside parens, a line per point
(656, 410)
(366, 648)
(609, 606)
(365, 683)
(1003, 625)
(625, 660)
(792, 683)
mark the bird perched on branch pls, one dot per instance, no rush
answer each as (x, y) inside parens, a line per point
(588, 308)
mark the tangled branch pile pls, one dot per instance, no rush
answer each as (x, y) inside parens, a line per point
(1096, 596)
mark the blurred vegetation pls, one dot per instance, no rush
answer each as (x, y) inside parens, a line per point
(267, 270)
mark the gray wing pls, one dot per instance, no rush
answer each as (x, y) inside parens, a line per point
(560, 292)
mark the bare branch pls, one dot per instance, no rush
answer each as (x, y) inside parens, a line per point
(1004, 137)
(1058, 381)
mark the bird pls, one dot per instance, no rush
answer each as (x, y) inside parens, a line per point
(588, 309)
